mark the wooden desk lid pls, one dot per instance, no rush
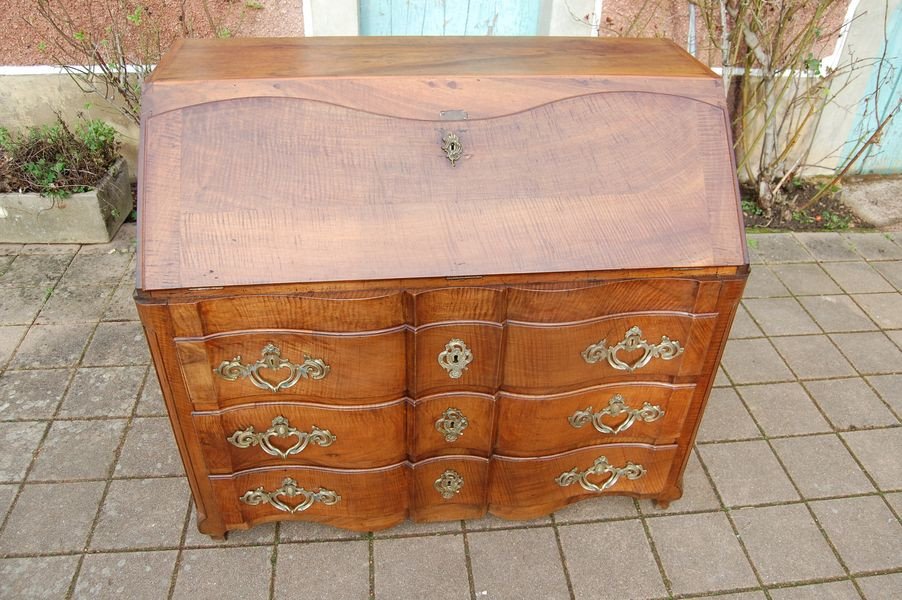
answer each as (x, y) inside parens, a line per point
(320, 159)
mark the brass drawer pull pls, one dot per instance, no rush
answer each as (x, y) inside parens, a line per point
(451, 424)
(311, 368)
(601, 467)
(281, 428)
(452, 147)
(665, 350)
(448, 484)
(455, 358)
(289, 489)
(616, 407)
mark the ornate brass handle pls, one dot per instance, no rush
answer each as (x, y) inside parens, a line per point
(451, 424)
(452, 147)
(455, 358)
(616, 406)
(600, 467)
(448, 484)
(289, 489)
(281, 428)
(311, 368)
(665, 350)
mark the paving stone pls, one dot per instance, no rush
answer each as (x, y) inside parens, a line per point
(850, 403)
(142, 513)
(38, 578)
(596, 509)
(835, 590)
(875, 246)
(837, 314)
(49, 249)
(755, 257)
(869, 352)
(785, 544)
(7, 493)
(754, 361)
(725, 418)
(51, 517)
(698, 495)
(895, 501)
(122, 306)
(304, 531)
(884, 309)
(118, 344)
(622, 538)
(882, 587)
(216, 573)
(812, 356)
(783, 409)
(151, 404)
(19, 440)
(746, 473)
(20, 305)
(257, 535)
(96, 269)
(103, 392)
(32, 394)
(700, 553)
(10, 249)
(781, 248)
(757, 595)
(857, 277)
(806, 279)
(52, 345)
(721, 380)
(866, 534)
(891, 271)
(821, 466)
(781, 316)
(826, 246)
(9, 339)
(78, 450)
(74, 304)
(406, 568)
(889, 387)
(123, 242)
(493, 522)
(40, 271)
(149, 450)
(337, 570)
(409, 528)
(880, 451)
(743, 325)
(125, 575)
(896, 336)
(531, 567)
(763, 283)
(5, 261)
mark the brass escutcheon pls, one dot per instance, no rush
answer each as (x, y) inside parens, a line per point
(452, 147)
(451, 424)
(455, 358)
(448, 484)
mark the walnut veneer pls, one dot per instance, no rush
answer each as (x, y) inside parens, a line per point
(353, 328)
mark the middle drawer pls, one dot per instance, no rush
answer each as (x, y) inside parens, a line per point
(280, 434)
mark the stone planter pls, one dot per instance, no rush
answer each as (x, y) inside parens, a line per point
(89, 218)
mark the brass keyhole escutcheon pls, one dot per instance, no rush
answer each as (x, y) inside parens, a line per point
(452, 147)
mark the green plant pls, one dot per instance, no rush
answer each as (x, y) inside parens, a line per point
(833, 222)
(801, 216)
(751, 208)
(56, 160)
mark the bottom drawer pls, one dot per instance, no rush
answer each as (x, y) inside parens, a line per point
(449, 488)
(359, 499)
(524, 488)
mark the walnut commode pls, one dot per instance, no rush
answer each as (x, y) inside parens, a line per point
(385, 278)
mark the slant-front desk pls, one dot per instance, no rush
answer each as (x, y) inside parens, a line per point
(388, 278)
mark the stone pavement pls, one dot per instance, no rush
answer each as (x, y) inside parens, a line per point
(794, 490)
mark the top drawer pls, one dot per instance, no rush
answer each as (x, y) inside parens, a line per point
(282, 348)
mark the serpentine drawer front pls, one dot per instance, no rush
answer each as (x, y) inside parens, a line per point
(380, 285)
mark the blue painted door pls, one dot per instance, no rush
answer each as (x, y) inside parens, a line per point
(449, 17)
(884, 157)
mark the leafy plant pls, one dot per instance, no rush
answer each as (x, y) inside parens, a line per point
(832, 221)
(801, 216)
(56, 160)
